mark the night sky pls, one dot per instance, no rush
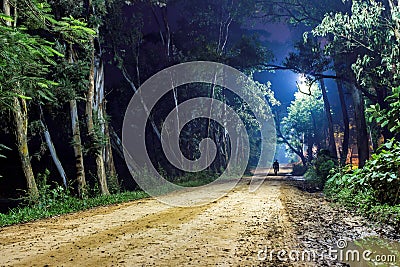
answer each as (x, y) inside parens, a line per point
(280, 38)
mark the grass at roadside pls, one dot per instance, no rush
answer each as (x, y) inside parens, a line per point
(364, 203)
(65, 205)
(57, 201)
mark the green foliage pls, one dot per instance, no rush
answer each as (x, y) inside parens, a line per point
(348, 187)
(26, 60)
(369, 34)
(24, 66)
(196, 179)
(64, 204)
(306, 12)
(47, 195)
(73, 30)
(388, 117)
(113, 184)
(3, 147)
(248, 54)
(380, 176)
(309, 58)
(72, 79)
(317, 174)
(98, 139)
(299, 170)
(304, 118)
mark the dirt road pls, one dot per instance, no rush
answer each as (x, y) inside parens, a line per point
(236, 230)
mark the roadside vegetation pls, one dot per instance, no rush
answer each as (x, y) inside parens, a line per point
(373, 190)
(59, 201)
(56, 200)
(67, 72)
(358, 45)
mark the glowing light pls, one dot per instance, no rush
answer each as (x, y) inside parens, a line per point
(301, 79)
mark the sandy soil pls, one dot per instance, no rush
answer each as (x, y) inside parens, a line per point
(228, 232)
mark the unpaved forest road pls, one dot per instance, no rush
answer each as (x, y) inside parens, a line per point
(227, 232)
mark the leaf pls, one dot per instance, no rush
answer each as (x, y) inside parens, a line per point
(43, 85)
(52, 51)
(47, 96)
(24, 97)
(389, 145)
(4, 147)
(6, 18)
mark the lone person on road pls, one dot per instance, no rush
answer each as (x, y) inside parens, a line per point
(276, 167)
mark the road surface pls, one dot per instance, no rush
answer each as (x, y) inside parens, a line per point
(240, 229)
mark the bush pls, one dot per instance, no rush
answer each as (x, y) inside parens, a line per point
(317, 174)
(343, 188)
(372, 191)
(299, 170)
(196, 179)
(380, 175)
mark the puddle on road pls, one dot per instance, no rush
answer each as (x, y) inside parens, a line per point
(372, 251)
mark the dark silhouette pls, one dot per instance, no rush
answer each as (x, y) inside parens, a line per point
(276, 167)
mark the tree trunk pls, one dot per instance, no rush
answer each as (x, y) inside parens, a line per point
(77, 145)
(52, 149)
(361, 125)
(20, 112)
(94, 102)
(76, 141)
(298, 152)
(209, 125)
(176, 102)
(381, 100)
(310, 147)
(346, 123)
(100, 108)
(109, 161)
(225, 134)
(158, 23)
(7, 10)
(394, 7)
(168, 31)
(331, 132)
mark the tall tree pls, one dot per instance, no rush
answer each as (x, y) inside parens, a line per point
(76, 136)
(346, 123)
(302, 126)
(95, 111)
(25, 64)
(369, 35)
(312, 13)
(310, 61)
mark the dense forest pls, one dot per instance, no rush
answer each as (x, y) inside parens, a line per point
(68, 70)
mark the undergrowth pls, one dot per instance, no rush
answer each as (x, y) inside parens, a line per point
(372, 191)
(56, 200)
